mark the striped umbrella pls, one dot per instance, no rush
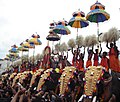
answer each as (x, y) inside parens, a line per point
(78, 13)
(97, 15)
(52, 25)
(61, 28)
(78, 21)
(14, 54)
(21, 48)
(13, 50)
(52, 37)
(36, 35)
(7, 58)
(28, 45)
(35, 41)
(97, 5)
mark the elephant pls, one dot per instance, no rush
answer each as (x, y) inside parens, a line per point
(97, 85)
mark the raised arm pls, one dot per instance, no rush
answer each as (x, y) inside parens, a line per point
(107, 45)
(100, 51)
(88, 49)
(84, 52)
(72, 51)
(14, 99)
(92, 48)
(67, 55)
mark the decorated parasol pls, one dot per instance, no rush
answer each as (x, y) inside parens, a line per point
(14, 49)
(13, 53)
(78, 20)
(97, 5)
(52, 37)
(34, 41)
(7, 58)
(52, 25)
(97, 14)
(36, 35)
(28, 46)
(61, 28)
(21, 48)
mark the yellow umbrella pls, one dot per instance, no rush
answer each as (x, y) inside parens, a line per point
(27, 45)
(14, 54)
(21, 48)
(35, 41)
(7, 58)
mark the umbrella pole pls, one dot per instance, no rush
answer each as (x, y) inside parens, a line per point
(22, 57)
(52, 46)
(33, 56)
(60, 38)
(97, 28)
(48, 43)
(98, 35)
(28, 54)
(77, 32)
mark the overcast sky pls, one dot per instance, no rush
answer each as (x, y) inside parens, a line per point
(19, 19)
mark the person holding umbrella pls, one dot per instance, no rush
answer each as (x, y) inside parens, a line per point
(89, 61)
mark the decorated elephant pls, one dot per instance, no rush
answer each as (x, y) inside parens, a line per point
(97, 86)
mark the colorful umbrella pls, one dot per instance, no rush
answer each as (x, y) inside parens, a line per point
(6, 58)
(36, 36)
(28, 45)
(21, 48)
(61, 28)
(78, 13)
(13, 50)
(14, 54)
(97, 15)
(78, 20)
(97, 5)
(35, 41)
(52, 36)
(15, 46)
(52, 25)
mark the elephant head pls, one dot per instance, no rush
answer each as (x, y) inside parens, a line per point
(95, 80)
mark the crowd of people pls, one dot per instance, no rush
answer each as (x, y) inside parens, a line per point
(23, 92)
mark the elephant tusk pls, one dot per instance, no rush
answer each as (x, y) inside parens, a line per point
(118, 78)
(110, 71)
(98, 82)
(94, 99)
(81, 98)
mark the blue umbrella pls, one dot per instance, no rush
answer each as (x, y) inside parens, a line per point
(13, 50)
(97, 14)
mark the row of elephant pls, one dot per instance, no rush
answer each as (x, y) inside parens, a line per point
(92, 85)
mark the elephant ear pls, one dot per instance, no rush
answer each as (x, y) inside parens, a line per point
(93, 75)
(38, 72)
(44, 76)
(65, 79)
(107, 78)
